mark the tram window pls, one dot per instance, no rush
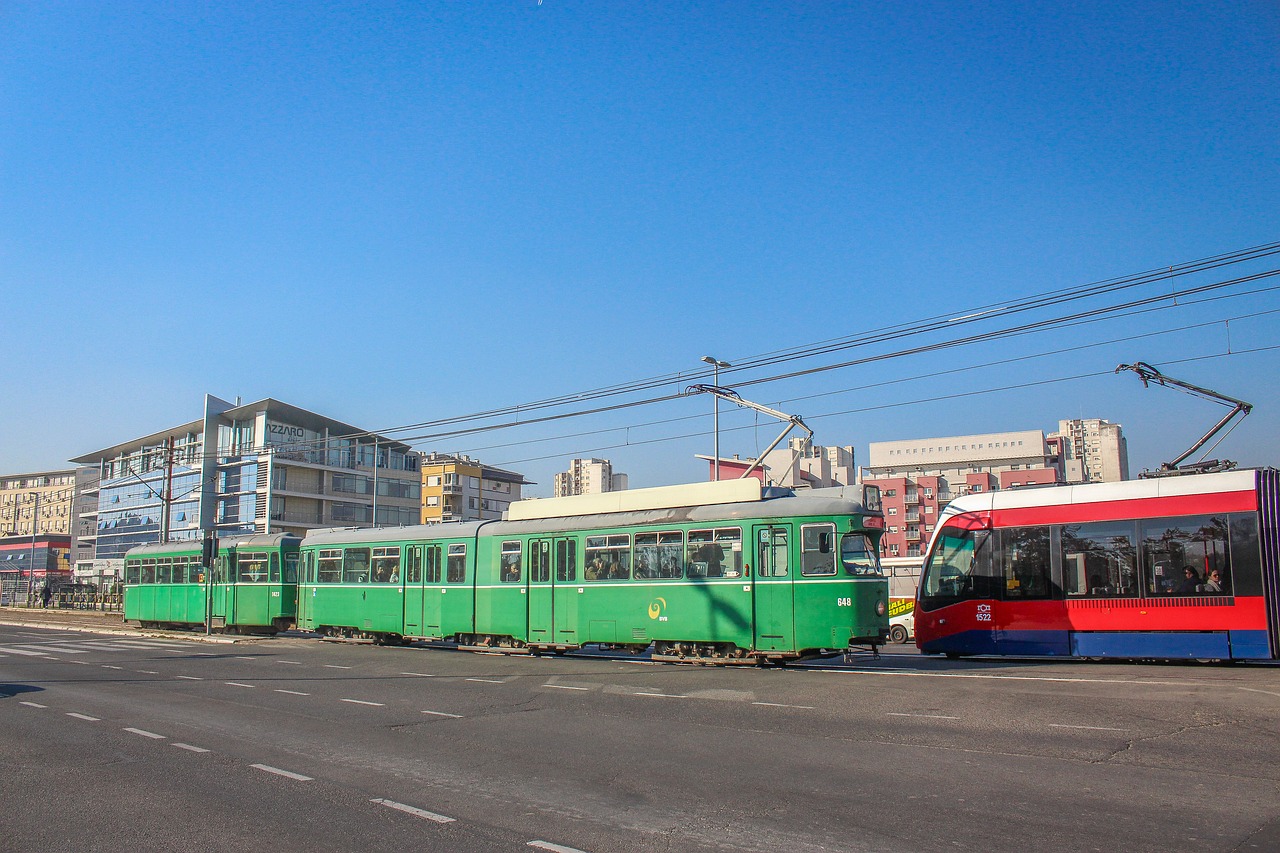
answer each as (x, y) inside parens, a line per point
(818, 549)
(456, 569)
(290, 568)
(1242, 572)
(132, 572)
(308, 560)
(608, 558)
(540, 560)
(413, 565)
(275, 568)
(253, 567)
(772, 559)
(567, 560)
(1180, 554)
(148, 571)
(509, 562)
(355, 565)
(1099, 559)
(858, 555)
(164, 570)
(658, 555)
(707, 556)
(1025, 563)
(433, 564)
(386, 565)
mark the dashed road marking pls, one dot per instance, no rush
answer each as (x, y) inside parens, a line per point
(1088, 728)
(443, 714)
(147, 671)
(109, 666)
(565, 687)
(292, 692)
(27, 652)
(189, 677)
(239, 684)
(85, 717)
(188, 747)
(145, 733)
(336, 666)
(416, 812)
(923, 716)
(286, 773)
(362, 702)
(245, 657)
(554, 848)
(780, 705)
(662, 695)
(419, 674)
(291, 662)
(33, 705)
(486, 680)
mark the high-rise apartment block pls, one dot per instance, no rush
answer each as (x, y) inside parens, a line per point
(1093, 451)
(799, 465)
(589, 477)
(459, 488)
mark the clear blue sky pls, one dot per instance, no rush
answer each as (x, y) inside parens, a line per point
(389, 213)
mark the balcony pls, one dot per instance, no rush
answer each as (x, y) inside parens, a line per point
(913, 534)
(911, 498)
(451, 488)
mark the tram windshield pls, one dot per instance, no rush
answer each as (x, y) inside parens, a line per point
(950, 572)
(858, 555)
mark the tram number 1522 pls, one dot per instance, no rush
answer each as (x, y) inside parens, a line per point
(984, 612)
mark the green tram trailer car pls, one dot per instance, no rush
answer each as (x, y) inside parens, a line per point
(715, 572)
(251, 588)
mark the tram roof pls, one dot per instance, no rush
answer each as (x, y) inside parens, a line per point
(255, 540)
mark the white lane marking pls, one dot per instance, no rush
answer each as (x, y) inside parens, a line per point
(910, 673)
(66, 650)
(419, 674)
(147, 671)
(565, 687)
(1256, 690)
(146, 733)
(28, 652)
(292, 692)
(82, 717)
(780, 705)
(189, 677)
(416, 812)
(486, 680)
(51, 657)
(925, 716)
(361, 702)
(245, 657)
(276, 770)
(443, 714)
(662, 695)
(109, 666)
(291, 662)
(239, 684)
(1089, 728)
(81, 662)
(336, 666)
(33, 704)
(554, 848)
(188, 747)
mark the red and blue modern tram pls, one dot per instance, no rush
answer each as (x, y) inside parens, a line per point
(1171, 567)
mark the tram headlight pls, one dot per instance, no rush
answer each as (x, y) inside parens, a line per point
(880, 608)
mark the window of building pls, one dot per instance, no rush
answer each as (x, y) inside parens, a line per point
(433, 479)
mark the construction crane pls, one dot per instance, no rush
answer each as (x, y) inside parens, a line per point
(1149, 374)
(791, 421)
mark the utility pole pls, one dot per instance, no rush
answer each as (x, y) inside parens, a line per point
(715, 413)
(31, 569)
(166, 498)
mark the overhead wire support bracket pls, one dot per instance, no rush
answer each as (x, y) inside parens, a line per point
(729, 395)
(1149, 374)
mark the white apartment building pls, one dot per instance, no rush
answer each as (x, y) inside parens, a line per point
(799, 465)
(1094, 451)
(589, 477)
(955, 457)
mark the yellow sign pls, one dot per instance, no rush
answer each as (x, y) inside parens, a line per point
(901, 607)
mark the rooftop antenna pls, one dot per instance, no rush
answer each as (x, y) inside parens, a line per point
(1149, 374)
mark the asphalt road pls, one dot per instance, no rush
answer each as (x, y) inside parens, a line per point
(116, 743)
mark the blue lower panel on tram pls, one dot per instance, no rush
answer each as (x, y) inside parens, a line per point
(1250, 645)
(1150, 645)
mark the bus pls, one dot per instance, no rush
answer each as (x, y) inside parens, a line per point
(729, 572)
(1169, 567)
(251, 587)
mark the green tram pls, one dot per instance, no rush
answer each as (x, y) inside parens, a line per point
(251, 588)
(716, 572)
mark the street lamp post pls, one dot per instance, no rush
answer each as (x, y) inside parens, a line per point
(715, 416)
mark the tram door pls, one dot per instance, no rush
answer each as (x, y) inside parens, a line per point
(429, 592)
(222, 595)
(414, 591)
(774, 627)
(306, 592)
(565, 609)
(541, 593)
